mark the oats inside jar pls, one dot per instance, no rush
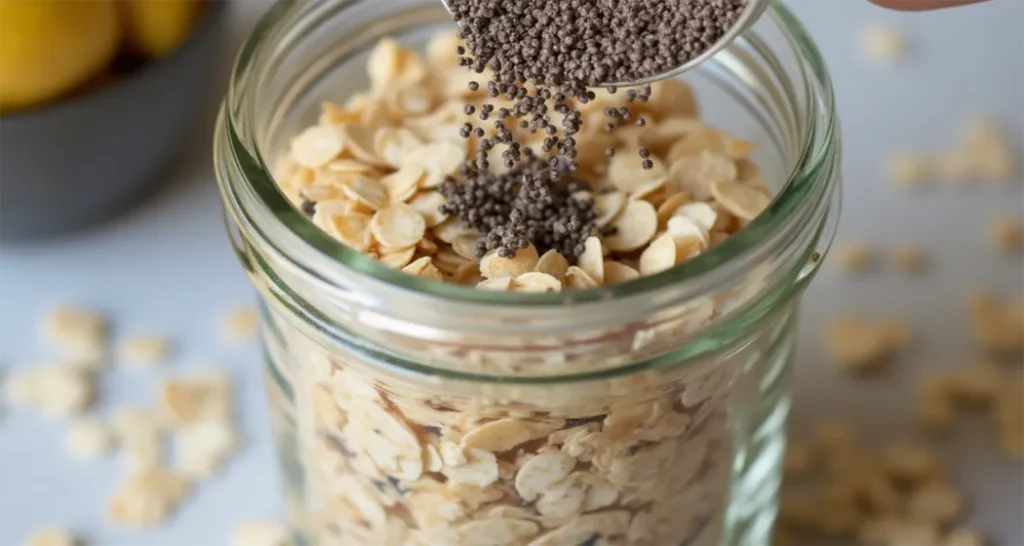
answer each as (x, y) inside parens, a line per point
(394, 173)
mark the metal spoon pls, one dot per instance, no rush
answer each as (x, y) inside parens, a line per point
(751, 13)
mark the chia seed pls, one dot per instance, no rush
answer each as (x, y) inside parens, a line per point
(522, 207)
(308, 207)
(561, 47)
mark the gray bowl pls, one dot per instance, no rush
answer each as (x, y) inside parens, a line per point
(80, 160)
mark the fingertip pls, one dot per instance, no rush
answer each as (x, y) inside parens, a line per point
(922, 5)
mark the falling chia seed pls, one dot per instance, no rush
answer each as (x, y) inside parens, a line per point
(561, 47)
(308, 208)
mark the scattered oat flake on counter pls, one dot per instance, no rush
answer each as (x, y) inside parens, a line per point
(52, 536)
(260, 532)
(860, 345)
(855, 257)
(909, 170)
(239, 324)
(1007, 234)
(799, 460)
(147, 498)
(898, 494)
(140, 433)
(59, 390)
(88, 438)
(19, 387)
(144, 350)
(75, 329)
(882, 43)
(988, 151)
(935, 403)
(910, 259)
(998, 325)
(201, 449)
(195, 397)
(964, 537)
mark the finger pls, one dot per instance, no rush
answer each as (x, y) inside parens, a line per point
(922, 5)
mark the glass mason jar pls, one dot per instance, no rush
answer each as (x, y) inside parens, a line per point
(412, 412)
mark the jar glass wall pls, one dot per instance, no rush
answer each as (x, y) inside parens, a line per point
(412, 412)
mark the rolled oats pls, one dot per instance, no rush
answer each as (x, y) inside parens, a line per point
(542, 471)
(147, 498)
(383, 466)
(238, 323)
(935, 401)
(616, 272)
(964, 537)
(52, 536)
(498, 531)
(937, 504)
(554, 264)
(998, 326)
(353, 228)
(201, 448)
(144, 350)
(910, 259)
(140, 432)
(358, 140)
(741, 200)
(659, 256)
(592, 259)
(317, 146)
(398, 226)
(697, 174)
(497, 284)
(505, 434)
(365, 191)
(427, 204)
(88, 439)
(399, 258)
(466, 245)
(76, 329)
(1007, 234)
(626, 173)
(634, 228)
(524, 261)
(860, 346)
(855, 257)
(609, 526)
(670, 206)
(909, 169)
(59, 390)
(188, 399)
(912, 463)
(579, 279)
(989, 153)
(609, 206)
(799, 460)
(882, 43)
(403, 184)
(259, 532)
(536, 282)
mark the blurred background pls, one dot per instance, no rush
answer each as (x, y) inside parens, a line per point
(109, 201)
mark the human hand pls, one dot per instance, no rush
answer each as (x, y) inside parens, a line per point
(922, 5)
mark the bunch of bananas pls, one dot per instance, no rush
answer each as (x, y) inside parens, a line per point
(53, 48)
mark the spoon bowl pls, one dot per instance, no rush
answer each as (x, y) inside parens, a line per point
(752, 11)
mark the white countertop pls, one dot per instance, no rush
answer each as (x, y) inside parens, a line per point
(165, 266)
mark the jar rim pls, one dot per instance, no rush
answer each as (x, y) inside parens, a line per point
(700, 274)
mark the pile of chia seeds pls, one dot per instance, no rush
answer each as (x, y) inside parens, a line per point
(561, 47)
(523, 207)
